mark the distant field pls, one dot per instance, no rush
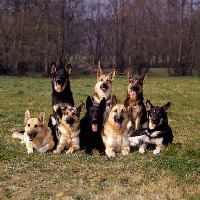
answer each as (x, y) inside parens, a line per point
(174, 174)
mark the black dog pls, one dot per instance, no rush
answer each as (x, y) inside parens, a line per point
(158, 132)
(91, 125)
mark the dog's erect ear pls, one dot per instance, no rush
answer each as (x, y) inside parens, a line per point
(99, 72)
(88, 103)
(112, 74)
(53, 68)
(27, 115)
(113, 101)
(42, 117)
(63, 107)
(166, 107)
(143, 77)
(80, 108)
(68, 68)
(126, 103)
(148, 105)
(130, 76)
(103, 104)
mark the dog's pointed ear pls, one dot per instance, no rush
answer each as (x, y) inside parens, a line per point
(27, 115)
(68, 68)
(63, 107)
(166, 107)
(81, 108)
(126, 103)
(88, 102)
(42, 116)
(148, 105)
(143, 77)
(99, 72)
(129, 75)
(112, 74)
(113, 101)
(53, 68)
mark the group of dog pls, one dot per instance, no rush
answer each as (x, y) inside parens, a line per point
(107, 125)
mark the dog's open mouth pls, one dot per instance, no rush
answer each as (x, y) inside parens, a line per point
(94, 127)
(104, 87)
(32, 135)
(58, 86)
(117, 125)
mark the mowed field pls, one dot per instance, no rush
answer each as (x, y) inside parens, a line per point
(174, 174)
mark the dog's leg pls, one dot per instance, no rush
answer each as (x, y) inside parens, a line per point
(75, 145)
(29, 147)
(46, 147)
(144, 144)
(158, 149)
(125, 147)
(137, 123)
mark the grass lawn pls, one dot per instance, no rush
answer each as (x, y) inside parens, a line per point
(174, 174)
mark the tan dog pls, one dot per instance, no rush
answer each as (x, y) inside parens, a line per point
(103, 89)
(37, 135)
(115, 133)
(134, 102)
(69, 128)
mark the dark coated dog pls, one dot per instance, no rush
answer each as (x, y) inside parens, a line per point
(61, 91)
(158, 133)
(134, 102)
(91, 126)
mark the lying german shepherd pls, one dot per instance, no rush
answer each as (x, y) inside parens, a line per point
(103, 89)
(134, 102)
(158, 133)
(115, 133)
(61, 91)
(37, 135)
(69, 128)
(91, 126)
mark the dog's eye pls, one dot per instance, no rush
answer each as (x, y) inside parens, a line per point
(36, 126)
(28, 125)
(115, 110)
(123, 111)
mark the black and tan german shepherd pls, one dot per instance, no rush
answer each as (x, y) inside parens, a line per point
(103, 89)
(134, 102)
(61, 91)
(91, 126)
(158, 133)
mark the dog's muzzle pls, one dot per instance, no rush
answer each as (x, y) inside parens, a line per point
(31, 135)
(104, 87)
(69, 120)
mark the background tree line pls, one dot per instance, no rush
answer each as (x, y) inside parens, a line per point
(123, 34)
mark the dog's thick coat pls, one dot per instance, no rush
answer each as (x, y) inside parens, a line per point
(103, 89)
(91, 126)
(37, 135)
(115, 133)
(158, 133)
(134, 102)
(69, 128)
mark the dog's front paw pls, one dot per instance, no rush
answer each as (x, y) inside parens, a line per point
(56, 151)
(125, 151)
(110, 154)
(70, 151)
(141, 150)
(42, 150)
(30, 151)
(156, 151)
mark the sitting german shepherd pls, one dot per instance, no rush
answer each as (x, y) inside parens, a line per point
(68, 130)
(37, 135)
(158, 133)
(103, 89)
(61, 91)
(91, 126)
(115, 133)
(134, 102)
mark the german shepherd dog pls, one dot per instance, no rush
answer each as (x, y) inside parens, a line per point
(134, 102)
(61, 91)
(68, 130)
(158, 132)
(37, 135)
(103, 89)
(91, 126)
(115, 133)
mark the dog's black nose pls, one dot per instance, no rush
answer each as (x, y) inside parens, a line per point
(70, 120)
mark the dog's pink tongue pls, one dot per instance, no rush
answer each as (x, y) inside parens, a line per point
(58, 87)
(118, 125)
(94, 127)
(133, 94)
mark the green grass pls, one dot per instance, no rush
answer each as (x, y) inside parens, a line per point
(174, 174)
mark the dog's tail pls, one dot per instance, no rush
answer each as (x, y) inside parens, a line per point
(19, 135)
